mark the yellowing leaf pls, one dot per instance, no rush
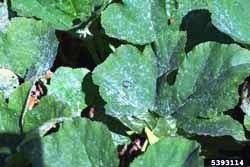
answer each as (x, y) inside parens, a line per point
(151, 137)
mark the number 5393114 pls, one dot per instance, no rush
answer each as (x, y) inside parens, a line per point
(226, 162)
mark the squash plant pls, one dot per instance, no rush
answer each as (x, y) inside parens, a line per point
(160, 83)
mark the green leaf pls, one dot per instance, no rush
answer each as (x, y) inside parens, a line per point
(127, 81)
(137, 21)
(9, 120)
(207, 82)
(133, 23)
(27, 47)
(165, 127)
(4, 20)
(170, 50)
(48, 109)
(120, 139)
(66, 86)
(230, 17)
(79, 142)
(10, 112)
(140, 21)
(210, 76)
(247, 122)
(2, 99)
(221, 125)
(172, 151)
(60, 14)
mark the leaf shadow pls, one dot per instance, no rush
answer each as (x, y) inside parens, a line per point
(199, 27)
(13, 155)
(91, 91)
(93, 99)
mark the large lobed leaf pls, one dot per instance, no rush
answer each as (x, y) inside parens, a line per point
(67, 86)
(137, 21)
(78, 143)
(172, 151)
(65, 99)
(141, 21)
(206, 85)
(27, 47)
(221, 125)
(49, 109)
(210, 74)
(61, 14)
(231, 18)
(170, 50)
(127, 81)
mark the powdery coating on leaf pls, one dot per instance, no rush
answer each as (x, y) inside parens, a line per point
(8, 82)
(170, 50)
(66, 86)
(120, 139)
(231, 17)
(223, 69)
(4, 20)
(222, 125)
(78, 143)
(61, 14)
(27, 47)
(127, 81)
(172, 151)
(165, 126)
(210, 74)
(137, 21)
(206, 86)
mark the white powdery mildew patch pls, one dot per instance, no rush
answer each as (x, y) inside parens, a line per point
(149, 17)
(168, 7)
(49, 47)
(4, 21)
(127, 83)
(134, 21)
(8, 82)
(227, 20)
